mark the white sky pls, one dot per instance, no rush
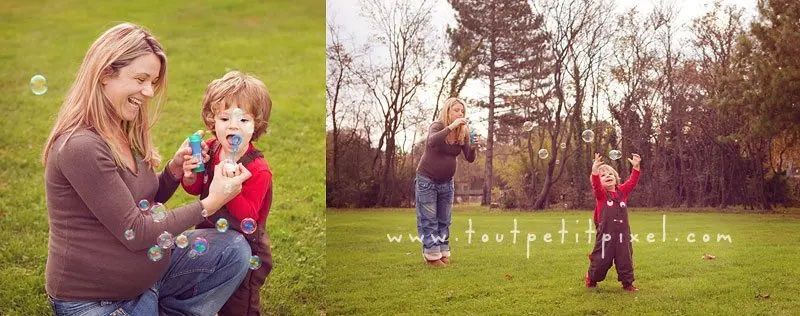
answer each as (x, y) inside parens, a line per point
(355, 30)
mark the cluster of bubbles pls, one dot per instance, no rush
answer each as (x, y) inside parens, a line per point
(166, 241)
(157, 211)
(587, 136)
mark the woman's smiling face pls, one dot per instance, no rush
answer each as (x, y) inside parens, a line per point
(130, 89)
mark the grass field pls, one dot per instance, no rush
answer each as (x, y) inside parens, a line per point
(282, 42)
(368, 274)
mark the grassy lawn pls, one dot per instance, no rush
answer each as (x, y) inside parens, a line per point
(281, 42)
(368, 274)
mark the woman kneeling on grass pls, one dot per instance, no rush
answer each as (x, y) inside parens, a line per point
(99, 161)
(447, 138)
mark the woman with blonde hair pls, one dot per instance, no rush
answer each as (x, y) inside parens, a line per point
(105, 255)
(447, 138)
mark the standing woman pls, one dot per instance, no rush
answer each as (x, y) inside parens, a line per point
(99, 162)
(447, 138)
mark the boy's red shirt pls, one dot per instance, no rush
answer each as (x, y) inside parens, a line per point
(253, 200)
(622, 192)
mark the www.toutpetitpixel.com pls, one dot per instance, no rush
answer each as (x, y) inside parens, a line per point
(563, 232)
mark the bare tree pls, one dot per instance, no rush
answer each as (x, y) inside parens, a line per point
(401, 31)
(339, 78)
(577, 32)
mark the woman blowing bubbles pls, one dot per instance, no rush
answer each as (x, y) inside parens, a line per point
(447, 138)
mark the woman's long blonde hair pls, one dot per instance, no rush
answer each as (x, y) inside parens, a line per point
(86, 104)
(458, 136)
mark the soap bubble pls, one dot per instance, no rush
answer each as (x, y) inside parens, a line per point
(587, 136)
(614, 154)
(200, 245)
(528, 126)
(181, 241)
(222, 225)
(557, 162)
(563, 145)
(248, 225)
(129, 234)
(143, 205)
(255, 262)
(155, 253)
(543, 153)
(159, 212)
(38, 85)
(165, 240)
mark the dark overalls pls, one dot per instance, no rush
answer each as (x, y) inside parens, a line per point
(608, 248)
(245, 300)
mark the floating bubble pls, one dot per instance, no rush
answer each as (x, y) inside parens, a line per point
(237, 114)
(587, 136)
(527, 126)
(614, 154)
(255, 262)
(204, 213)
(563, 145)
(192, 254)
(38, 85)
(159, 212)
(248, 225)
(155, 253)
(143, 205)
(557, 162)
(165, 240)
(543, 153)
(129, 234)
(200, 245)
(181, 241)
(222, 225)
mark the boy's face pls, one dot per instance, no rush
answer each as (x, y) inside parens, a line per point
(233, 121)
(607, 178)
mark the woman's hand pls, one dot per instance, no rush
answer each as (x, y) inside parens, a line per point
(188, 166)
(230, 170)
(184, 156)
(458, 122)
(223, 189)
(598, 160)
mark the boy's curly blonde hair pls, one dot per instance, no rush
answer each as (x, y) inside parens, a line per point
(238, 89)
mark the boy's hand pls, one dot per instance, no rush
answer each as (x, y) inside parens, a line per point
(635, 161)
(598, 160)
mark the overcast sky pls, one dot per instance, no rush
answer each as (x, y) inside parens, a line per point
(354, 28)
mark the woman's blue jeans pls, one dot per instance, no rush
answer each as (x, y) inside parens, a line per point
(434, 207)
(190, 286)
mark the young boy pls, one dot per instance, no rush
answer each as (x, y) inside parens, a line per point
(612, 242)
(236, 109)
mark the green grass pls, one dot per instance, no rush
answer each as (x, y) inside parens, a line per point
(367, 274)
(281, 42)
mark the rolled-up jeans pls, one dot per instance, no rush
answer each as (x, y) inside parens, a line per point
(192, 285)
(434, 201)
